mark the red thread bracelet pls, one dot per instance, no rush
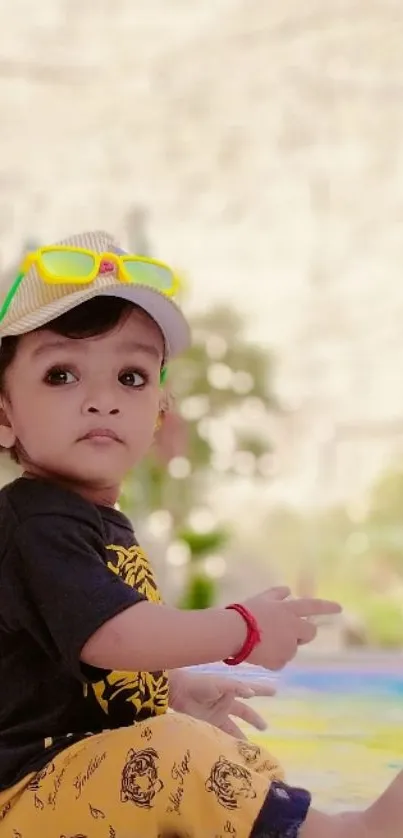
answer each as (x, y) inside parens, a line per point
(253, 636)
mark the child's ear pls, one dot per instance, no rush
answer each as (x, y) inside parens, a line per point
(166, 396)
(170, 439)
(7, 435)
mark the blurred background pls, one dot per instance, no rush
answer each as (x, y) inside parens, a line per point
(257, 147)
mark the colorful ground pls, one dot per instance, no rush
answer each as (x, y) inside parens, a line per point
(338, 729)
(344, 749)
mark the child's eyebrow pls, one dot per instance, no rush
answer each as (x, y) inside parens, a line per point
(48, 346)
(125, 346)
(140, 346)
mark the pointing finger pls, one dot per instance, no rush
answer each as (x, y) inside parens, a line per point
(313, 607)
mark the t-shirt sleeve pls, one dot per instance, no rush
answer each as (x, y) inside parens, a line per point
(61, 590)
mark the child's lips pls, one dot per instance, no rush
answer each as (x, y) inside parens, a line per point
(101, 434)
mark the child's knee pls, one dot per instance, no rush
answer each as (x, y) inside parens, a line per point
(207, 747)
(179, 726)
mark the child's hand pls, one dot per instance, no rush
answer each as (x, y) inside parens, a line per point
(284, 624)
(215, 698)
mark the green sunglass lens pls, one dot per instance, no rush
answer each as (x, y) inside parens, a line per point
(62, 263)
(145, 273)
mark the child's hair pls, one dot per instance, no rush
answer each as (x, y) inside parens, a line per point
(94, 317)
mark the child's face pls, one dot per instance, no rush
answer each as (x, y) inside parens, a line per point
(65, 396)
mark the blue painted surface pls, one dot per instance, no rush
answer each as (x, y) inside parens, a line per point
(362, 680)
(335, 725)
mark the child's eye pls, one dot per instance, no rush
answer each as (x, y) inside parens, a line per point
(133, 378)
(57, 376)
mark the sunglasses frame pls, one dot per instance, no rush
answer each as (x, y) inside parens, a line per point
(118, 259)
(34, 258)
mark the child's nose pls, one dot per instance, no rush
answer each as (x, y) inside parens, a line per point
(111, 412)
(101, 401)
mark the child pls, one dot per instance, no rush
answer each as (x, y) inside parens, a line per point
(87, 749)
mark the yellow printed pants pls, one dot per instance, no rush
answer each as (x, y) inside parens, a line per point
(165, 777)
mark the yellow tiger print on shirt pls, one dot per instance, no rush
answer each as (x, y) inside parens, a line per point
(133, 695)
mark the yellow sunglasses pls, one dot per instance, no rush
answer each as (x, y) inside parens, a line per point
(78, 266)
(63, 265)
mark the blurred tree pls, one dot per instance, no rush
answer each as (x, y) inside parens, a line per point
(385, 501)
(207, 436)
(219, 375)
(199, 592)
(214, 443)
(370, 576)
(200, 589)
(384, 522)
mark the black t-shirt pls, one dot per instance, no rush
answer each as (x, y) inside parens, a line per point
(66, 567)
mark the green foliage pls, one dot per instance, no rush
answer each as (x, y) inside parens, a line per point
(191, 372)
(358, 563)
(201, 544)
(385, 502)
(218, 339)
(219, 347)
(383, 620)
(200, 592)
(190, 379)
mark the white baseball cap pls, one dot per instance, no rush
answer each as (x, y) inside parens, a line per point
(36, 302)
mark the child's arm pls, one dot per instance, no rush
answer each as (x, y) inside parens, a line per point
(152, 637)
(79, 611)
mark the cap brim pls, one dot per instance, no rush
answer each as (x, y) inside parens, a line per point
(162, 309)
